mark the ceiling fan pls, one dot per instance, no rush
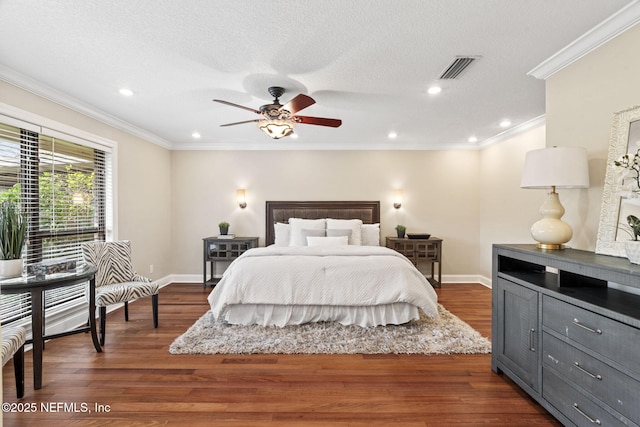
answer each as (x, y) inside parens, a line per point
(279, 120)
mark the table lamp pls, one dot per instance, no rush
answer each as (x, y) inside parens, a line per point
(556, 167)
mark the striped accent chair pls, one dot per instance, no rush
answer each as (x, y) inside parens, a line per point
(116, 280)
(13, 339)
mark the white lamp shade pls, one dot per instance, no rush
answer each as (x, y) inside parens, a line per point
(276, 128)
(562, 167)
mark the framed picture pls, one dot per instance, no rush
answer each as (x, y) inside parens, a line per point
(616, 205)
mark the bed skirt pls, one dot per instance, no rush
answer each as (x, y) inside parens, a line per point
(283, 315)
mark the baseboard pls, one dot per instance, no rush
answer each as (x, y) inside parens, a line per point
(450, 278)
(466, 278)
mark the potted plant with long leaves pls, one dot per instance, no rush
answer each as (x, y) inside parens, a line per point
(13, 232)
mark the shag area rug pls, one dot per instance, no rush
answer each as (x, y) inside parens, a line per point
(445, 335)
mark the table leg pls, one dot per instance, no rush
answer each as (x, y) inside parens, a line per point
(92, 314)
(36, 333)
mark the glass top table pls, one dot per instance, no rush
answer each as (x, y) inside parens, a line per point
(36, 285)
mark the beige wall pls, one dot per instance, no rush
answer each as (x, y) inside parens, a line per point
(581, 101)
(440, 194)
(143, 181)
(507, 211)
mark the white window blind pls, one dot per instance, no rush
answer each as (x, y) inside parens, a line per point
(62, 188)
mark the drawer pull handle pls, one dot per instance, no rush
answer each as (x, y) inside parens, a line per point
(594, 376)
(591, 420)
(532, 339)
(595, 331)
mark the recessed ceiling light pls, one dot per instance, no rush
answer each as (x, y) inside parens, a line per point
(392, 135)
(126, 92)
(505, 123)
(472, 139)
(196, 135)
(433, 90)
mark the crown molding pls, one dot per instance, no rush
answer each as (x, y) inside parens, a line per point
(13, 77)
(608, 29)
(514, 131)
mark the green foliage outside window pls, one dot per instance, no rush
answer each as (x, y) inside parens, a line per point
(65, 199)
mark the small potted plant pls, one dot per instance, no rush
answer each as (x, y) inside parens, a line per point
(224, 228)
(13, 231)
(400, 230)
(632, 246)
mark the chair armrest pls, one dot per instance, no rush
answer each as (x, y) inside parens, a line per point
(139, 278)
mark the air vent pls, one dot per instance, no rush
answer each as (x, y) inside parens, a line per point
(459, 64)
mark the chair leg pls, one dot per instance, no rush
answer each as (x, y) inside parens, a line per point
(154, 303)
(126, 311)
(18, 368)
(103, 323)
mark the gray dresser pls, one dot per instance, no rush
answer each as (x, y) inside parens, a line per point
(564, 334)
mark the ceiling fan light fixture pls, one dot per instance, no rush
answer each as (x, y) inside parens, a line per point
(276, 128)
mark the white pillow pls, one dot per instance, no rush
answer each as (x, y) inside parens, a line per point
(336, 232)
(371, 234)
(299, 224)
(311, 232)
(282, 233)
(328, 241)
(355, 225)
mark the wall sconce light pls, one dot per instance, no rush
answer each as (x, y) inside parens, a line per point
(397, 199)
(242, 201)
(557, 167)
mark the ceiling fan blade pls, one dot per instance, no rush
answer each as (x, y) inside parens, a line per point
(237, 105)
(239, 123)
(320, 121)
(298, 103)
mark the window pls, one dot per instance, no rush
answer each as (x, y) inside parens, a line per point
(63, 187)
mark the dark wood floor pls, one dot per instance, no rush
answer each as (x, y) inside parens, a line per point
(138, 382)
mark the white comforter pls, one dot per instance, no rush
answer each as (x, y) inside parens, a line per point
(316, 275)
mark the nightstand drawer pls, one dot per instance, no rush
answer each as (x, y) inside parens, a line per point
(228, 249)
(613, 340)
(420, 250)
(216, 249)
(611, 386)
(427, 251)
(574, 405)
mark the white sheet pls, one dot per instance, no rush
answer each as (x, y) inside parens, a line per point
(342, 276)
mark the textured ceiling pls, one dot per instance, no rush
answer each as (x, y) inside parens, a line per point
(367, 62)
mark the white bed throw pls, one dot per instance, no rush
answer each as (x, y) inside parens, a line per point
(341, 276)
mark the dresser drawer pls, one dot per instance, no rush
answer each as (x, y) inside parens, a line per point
(574, 405)
(611, 386)
(612, 339)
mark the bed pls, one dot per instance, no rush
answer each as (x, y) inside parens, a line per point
(322, 262)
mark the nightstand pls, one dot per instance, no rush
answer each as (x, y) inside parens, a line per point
(216, 249)
(421, 250)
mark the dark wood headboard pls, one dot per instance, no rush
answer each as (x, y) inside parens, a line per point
(368, 212)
